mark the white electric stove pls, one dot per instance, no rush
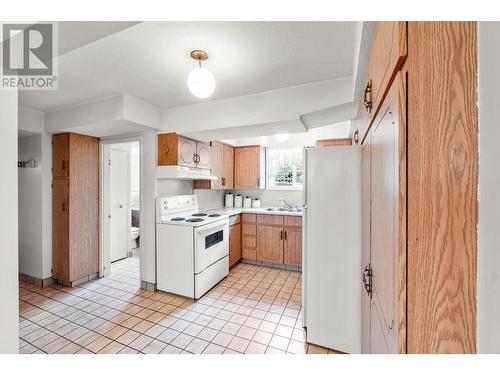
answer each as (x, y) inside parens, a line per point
(192, 247)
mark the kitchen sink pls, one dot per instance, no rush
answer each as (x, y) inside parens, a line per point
(283, 209)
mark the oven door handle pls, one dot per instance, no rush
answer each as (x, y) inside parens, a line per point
(210, 227)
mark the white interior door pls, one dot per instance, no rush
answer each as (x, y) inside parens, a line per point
(119, 203)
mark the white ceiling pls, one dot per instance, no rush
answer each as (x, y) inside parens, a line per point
(74, 35)
(302, 139)
(150, 60)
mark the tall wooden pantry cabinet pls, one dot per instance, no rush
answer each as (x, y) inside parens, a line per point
(75, 207)
(418, 128)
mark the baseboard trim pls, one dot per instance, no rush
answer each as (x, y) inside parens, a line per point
(150, 287)
(79, 281)
(42, 283)
(272, 265)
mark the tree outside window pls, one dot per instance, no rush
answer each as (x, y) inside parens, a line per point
(284, 168)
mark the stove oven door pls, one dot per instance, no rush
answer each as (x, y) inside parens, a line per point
(211, 244)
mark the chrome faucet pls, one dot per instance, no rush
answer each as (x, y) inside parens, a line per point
(286, 204)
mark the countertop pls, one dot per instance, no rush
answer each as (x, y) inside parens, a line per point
(235, 211)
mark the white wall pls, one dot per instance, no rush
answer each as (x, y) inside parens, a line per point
(488, 270)
(9, 285)
(148, 213)
(35, 245)
(30, 208)
(45, 166)
(30, 120)
(270, 198)
(209, 198)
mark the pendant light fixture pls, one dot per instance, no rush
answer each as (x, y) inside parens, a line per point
(201, 81)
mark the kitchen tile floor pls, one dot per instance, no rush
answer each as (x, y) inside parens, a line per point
(255, 310)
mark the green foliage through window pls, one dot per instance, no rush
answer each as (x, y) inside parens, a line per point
(285, 167)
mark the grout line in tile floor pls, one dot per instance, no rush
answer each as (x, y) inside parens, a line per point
(269, 294)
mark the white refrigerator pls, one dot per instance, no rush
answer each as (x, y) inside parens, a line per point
(331, 280)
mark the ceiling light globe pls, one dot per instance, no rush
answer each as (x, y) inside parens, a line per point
(201, 83)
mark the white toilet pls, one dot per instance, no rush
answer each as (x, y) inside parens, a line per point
(134, 234)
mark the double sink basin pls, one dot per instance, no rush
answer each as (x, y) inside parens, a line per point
(284, 209)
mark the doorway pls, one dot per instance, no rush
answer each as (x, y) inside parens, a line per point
(121, 197)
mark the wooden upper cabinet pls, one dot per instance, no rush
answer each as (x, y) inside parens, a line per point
(334, 142)
(168, 149)
(388, 54)
(222, 166)
(204, 155)
(292, 254)
(174, 149)
(186, 152)
(249, 167)
(60, 155)
(270, 243)
(217, 166)
(228, 167)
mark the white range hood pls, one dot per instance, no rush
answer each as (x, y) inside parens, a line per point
(176, 172)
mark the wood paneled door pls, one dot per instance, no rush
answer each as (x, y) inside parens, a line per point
(60, 229)
(221, 165)
(217, 167)
(75, 207)
(248, 167)
(228, 168)
(204, 155)
(292, 251)
(234, 244)
(187, 152)
(420, 163)
(270, 244)
(384, 246)
(365, 249)
(60, 155)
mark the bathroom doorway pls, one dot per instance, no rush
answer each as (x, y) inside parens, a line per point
(121, 218)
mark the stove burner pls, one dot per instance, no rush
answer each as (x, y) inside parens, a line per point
(199, 214)
(177, 219)
(195, 220)
(214, 215)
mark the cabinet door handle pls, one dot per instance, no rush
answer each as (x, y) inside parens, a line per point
(367, 97)
(63, 164)
(286, 235)
(63, 206)
(281, 236)
(223, 181)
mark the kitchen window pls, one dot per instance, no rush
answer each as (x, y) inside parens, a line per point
(284, 168)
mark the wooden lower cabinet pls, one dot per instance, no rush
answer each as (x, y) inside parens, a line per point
(234, 244)
(270, 244)
(292, 251)
(272, 238)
